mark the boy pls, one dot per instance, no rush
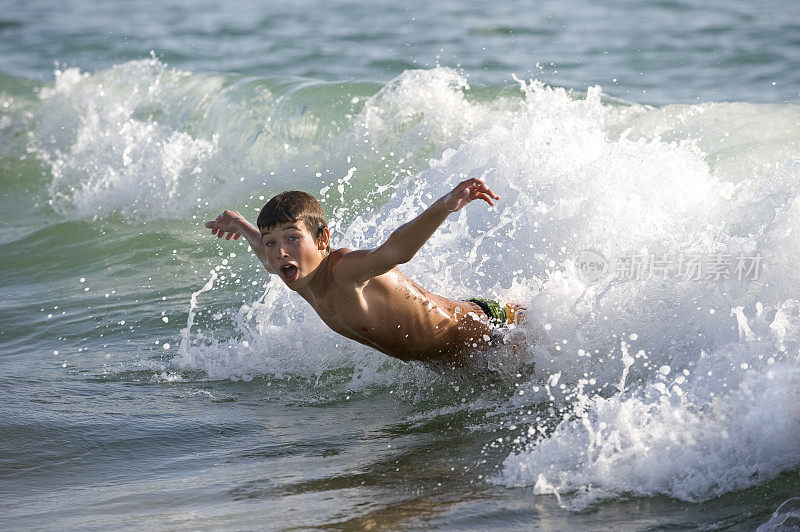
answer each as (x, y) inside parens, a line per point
(361, 294)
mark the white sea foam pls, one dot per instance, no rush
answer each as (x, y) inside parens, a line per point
(658, 384)
(728, 425)
(701, 410)
(149, 141)
(278, 335)
(106, 148)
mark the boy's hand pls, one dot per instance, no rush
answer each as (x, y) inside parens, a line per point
(226, 225)
(231, 224)
(467, 191)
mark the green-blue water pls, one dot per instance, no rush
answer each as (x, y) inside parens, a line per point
(155, 377)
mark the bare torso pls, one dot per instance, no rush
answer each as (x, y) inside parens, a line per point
(395, 315)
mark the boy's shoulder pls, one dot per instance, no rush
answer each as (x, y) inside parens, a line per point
(339, 257)
(342, 261)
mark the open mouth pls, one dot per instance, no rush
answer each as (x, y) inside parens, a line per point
(289, 272)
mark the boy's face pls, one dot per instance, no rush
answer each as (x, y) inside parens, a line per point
(293, 253)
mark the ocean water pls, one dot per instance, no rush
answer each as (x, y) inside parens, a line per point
(648, 160)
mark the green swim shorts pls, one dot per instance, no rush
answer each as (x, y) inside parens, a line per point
(497, 315)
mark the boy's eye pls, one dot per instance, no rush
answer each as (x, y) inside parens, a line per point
(270, 243)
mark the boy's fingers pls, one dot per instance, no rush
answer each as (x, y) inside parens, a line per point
(485, 197)
(489, 192)
(483, 187)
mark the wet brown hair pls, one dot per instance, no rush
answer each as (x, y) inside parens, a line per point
(293, 206)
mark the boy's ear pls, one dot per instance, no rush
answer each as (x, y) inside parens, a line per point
(324, 239)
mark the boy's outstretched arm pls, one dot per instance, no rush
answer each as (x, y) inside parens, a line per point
(406, 240)
(232, 224)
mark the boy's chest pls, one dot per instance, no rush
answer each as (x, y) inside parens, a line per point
(346, 313)
(338, 307)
